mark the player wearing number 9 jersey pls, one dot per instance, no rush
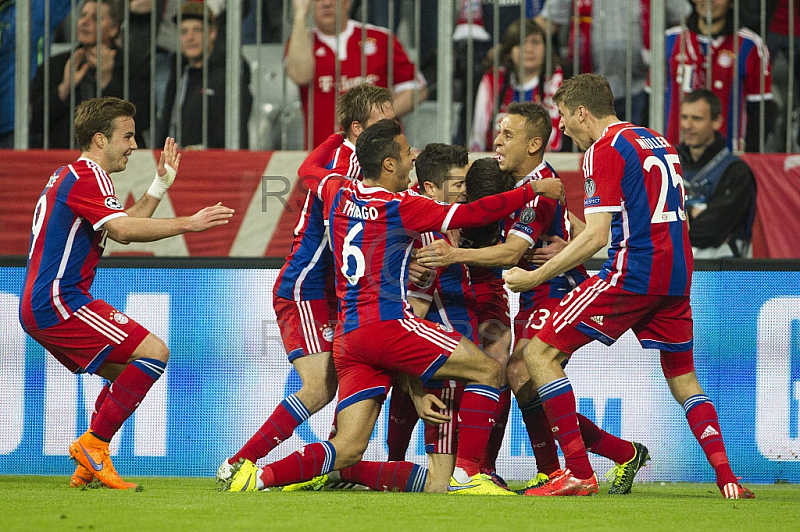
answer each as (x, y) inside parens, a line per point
(633, 188)
(76, 212)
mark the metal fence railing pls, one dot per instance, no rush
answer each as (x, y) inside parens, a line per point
(452, 46)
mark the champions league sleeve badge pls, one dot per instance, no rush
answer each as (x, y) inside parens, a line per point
(113, 203)
(589, 187)
(528, 215)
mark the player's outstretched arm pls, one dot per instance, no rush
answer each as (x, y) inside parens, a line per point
(126, 229)
(585, 245)
(498, 206)
(440, 254)
(168, 165)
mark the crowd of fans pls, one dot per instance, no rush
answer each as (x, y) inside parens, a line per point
(701, 52)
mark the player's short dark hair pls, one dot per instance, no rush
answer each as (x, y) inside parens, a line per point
(714, 104)
(97, 115)
(485, 178)
(436, 161)
(538, 121)
(376, 144)
(115, 10)
(356, 105)
(589, 90)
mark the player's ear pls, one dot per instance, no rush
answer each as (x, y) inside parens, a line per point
(99, 140)
(430, 189)
(356, 128)
(389, 164)
(534, 145)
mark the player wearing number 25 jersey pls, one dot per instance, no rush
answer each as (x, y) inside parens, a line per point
(633, 187)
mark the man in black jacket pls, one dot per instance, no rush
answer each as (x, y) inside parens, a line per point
(184, 99)
(720, 187)
(77, 72)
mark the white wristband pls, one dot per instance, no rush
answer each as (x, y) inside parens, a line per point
(161, 184)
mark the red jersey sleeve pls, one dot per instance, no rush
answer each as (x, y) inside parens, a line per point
(757, 65)
(602, 168)
(534, 219)
(92, 198)
(422, 214)
(406, 76)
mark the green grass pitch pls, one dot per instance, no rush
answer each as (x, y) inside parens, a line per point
(175, 504)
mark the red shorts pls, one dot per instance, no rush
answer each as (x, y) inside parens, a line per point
(597, 310)
(443, 439)
(528, 323)
(96, 333)
(306, 326)
(491, 304)
(367, 359)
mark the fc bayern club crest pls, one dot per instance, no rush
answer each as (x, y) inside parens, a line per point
(528, 215)
(589, 187)
(120, 318)
(327, 333)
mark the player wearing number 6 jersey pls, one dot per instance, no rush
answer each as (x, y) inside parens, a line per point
(76, 212)
(373, 225)
(633, 189)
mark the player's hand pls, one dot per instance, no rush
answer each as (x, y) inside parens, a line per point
(552, 187)
(428, 408)
(518, 280)
(539, 256)
(437, 254)
(420, 275)
(210, 217)
(170, 160)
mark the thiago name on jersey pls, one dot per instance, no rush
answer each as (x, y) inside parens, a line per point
(351, 210)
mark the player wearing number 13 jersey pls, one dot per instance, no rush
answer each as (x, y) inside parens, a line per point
(633, 188)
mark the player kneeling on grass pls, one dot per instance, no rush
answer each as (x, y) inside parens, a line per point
(76, 212)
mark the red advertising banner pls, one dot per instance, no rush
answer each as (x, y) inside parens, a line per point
(261, 187)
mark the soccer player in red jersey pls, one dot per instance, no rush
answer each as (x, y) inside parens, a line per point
(303, 296)
(520, 145)
(372, 228)
(76, 212)
(311, 62)
(634, 190)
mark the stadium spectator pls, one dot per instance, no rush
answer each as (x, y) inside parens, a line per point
(720, 187)
(311, 63)
(701, 55)
(77, 210)
(520, 147)
(372, 226)
(644, 285)
(77, 73)
(188, 102)
(604, 30)
(305, 304)
(535, 85)
(8, 13)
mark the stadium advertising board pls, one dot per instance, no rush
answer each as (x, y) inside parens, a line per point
(228, 371)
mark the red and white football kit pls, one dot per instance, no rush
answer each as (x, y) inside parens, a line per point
(376, 50)
(56, 308)
(303, 295)
(635, 174)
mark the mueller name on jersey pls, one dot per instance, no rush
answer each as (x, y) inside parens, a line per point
(364, 212)
(654, 143)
